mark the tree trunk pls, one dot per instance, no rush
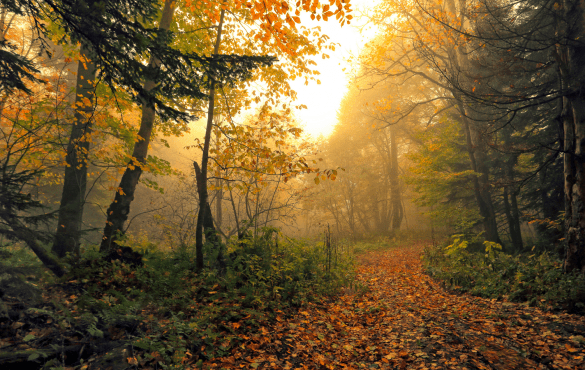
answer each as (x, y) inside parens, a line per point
(481, 184)
(571, 58)
(511, 192)
(119, 209)
(395, 194)
(512, 216)
(204, 209)
(75, 182)
(517, 234)
(205, 214)
(475, 146)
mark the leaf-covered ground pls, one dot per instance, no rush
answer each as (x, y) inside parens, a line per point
(405, 320)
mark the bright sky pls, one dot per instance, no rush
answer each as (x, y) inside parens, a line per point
(323, 100)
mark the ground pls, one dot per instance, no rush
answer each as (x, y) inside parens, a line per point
(395, 317)
(406, 320)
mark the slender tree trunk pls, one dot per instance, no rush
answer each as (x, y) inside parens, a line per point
(119, 209)
(514, 212)
(218, 200)
(203, 202)
(395, 194)
(75, 181)
(517, 238)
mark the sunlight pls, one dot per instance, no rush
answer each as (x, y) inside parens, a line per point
(322, 100)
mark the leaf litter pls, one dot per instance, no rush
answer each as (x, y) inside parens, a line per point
(403, 319)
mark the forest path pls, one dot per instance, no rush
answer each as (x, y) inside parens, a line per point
(405, 320)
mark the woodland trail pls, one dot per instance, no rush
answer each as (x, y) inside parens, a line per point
(405, 320)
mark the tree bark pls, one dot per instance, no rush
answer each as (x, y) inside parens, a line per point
(75, 182)
(119, 209)
(204, 209)
(571, 58)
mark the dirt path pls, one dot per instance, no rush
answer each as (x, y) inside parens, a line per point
(407, 321)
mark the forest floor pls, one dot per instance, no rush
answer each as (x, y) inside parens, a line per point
(403, 319)
(397, 318)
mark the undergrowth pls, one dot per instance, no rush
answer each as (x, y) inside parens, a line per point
(178, 317)
(535, 278)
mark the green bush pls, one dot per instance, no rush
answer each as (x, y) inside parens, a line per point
(534, 278)
(260, 278)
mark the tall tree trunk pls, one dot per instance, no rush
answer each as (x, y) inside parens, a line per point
(119, 209)
(75, 181)
(512, 216)
(514, 212)
(571, 58)
(511, 192)
(395, 194)
(481, 184)
(218, 199)
(459, 57)
(517, 237)
(202, 181)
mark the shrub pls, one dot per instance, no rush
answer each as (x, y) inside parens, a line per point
(534, 278)
(263, 275)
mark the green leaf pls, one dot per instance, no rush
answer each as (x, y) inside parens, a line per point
(29, 337)
(33, 356)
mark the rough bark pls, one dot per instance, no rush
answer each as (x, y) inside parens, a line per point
(119, 209)
(75, 181)
(571, 58)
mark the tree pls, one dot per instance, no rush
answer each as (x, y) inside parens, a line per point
(70, 219)
(224, 68)
(539, 45)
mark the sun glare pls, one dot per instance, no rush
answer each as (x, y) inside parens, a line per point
(322, 100)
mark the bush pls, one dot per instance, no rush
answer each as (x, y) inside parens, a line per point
(534, 278)
(261, 278)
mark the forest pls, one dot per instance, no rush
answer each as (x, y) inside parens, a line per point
(162, 205)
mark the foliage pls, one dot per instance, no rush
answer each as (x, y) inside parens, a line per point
(535, 278)
(440, 176)
(182, 317)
